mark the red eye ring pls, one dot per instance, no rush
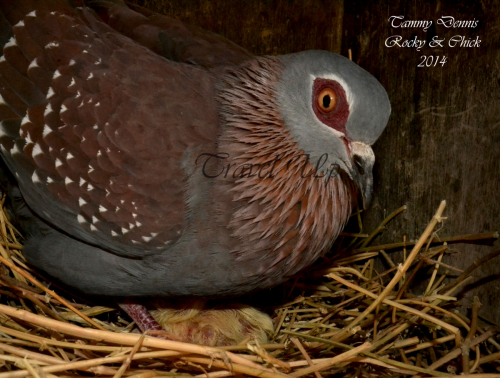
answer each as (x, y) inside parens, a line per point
(327, 100)
(329, 104)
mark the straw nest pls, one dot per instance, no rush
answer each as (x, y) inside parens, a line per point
(341, 319)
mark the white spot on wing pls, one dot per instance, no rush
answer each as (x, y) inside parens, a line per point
(48, 110)
(90, 76)
(146, 238)
(67, 181)
(20, 24)
(33, 64)
(46, 130)
(73, 82)
(56, 75)
(72, 62)
(12, 42)
(28, 139)
(94, 219)
(52, 44)
(124, 231)
(15, 150)
(35, 178)
(113, 233)
(93, 228)
(31, 14)
(81, 219)
(50, 93)
(25, 120)
(58, 162)
(102, 209)
(63, 109)
(81, 202)
(37, 150)
(49, 180)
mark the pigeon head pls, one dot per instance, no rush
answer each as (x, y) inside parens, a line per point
(335, 110)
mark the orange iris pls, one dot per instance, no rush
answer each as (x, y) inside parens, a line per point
(327, 100)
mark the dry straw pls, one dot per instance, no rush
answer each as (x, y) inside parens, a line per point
(341, 318)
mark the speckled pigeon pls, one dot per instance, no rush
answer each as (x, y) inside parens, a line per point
(154, 158)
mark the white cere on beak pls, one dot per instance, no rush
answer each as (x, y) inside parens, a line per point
(364, 150)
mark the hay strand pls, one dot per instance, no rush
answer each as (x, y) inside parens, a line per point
(344, 318)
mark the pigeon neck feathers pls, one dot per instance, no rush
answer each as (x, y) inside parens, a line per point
(288, 212)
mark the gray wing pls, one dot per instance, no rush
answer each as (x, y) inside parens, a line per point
(96, 127)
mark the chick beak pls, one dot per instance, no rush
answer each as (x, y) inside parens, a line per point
(362, 170)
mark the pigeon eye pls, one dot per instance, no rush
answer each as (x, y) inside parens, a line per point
(329, 103)
(327, 100)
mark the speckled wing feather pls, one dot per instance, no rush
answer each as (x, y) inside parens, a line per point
(98, 127)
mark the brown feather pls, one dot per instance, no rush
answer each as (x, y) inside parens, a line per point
(295, 219)
(95, 136)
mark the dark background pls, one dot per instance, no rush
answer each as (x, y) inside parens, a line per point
(443, 138)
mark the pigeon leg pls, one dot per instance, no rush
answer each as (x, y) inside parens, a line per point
(141, 316)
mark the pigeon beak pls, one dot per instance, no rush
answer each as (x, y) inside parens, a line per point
(362, 170)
